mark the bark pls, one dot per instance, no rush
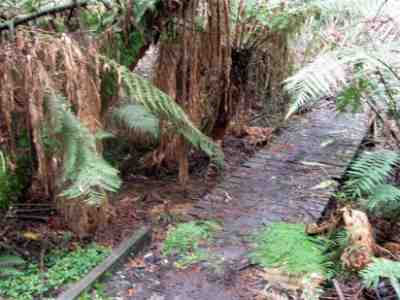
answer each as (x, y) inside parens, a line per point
(194, 68)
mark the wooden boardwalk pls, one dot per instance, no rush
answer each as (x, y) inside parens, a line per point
(291, 180)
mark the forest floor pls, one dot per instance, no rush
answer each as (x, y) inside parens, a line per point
(291, 180)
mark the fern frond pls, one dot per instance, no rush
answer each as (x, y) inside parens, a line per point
(136, 117)
(164, 107)
(140, 7)
(323, 77)
(289, 248)
(384, 200)
(370, 170)
(358, 35)
(85, 172)
(382, 268)
(3, 165)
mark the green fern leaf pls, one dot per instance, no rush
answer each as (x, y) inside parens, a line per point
(86, 173)
(384, 200)
(369, 171)
(321, 78)
(288, 247)
(382, 268)
(136, 117)
(164, 107)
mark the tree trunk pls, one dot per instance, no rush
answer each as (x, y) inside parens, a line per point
(194, 68)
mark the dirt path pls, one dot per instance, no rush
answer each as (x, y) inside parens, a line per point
(291, 180)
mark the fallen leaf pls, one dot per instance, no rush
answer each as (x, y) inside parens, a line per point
(131, 292)
(137, 263)
(325, 184)
(29, 235)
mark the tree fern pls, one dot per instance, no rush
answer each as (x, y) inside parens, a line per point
(369, 171)
(85, 173)
(165, 108)
(382, 268)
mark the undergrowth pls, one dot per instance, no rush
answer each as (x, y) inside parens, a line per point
(368, 183)
(382, 268)
(61, 268)
(288, 248)
(4, 182)
(9, 184)
(185, 240)
(97, 293)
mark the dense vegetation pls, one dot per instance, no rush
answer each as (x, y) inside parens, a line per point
(71, 99)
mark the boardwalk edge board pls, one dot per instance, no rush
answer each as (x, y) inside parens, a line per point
(132, 245)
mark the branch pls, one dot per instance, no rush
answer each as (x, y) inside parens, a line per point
(19, 20)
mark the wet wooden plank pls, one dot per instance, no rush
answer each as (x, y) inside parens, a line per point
(286, 180)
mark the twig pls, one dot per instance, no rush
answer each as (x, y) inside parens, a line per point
(19, 20)
(338, 289)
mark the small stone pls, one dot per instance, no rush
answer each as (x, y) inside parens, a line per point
(150, 258)
(157, 297)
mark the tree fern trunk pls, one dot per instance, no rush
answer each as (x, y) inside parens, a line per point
(194, 68)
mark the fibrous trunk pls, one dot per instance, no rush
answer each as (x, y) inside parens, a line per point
(32, 72)
(194, 68)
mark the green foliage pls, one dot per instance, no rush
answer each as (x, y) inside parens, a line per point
(357, 62)
(130, 27)
(382, 268)
(136, 117)
(4, 182)
(97, 293)
(321, 78)
(289, 248)
(274, 15)
(86, 173)
(140, 8)
(370, 170)
(62, 268)
(367, 183)
(384, 201)
(9, 184)
(186, 237)
(9, 265)
(184, 240)
(165, 108)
